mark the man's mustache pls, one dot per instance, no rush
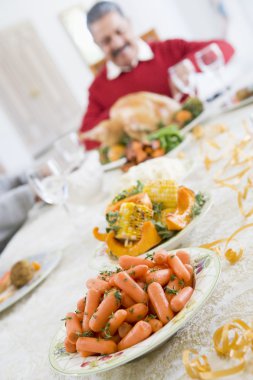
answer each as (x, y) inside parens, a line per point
(116, 52)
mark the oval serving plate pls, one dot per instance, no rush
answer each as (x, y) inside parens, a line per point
(101, 260)
(207, 270)
(187, 139)
(114, 164)
(47, 261)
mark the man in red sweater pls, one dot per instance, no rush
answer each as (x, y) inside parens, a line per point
(131, 64)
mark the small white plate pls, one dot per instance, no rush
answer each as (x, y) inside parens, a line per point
(207, 270)
(101, 260)
(47, 261)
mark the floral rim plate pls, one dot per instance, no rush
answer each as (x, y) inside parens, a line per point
(101, 260)
(47, 261)
(207, 270)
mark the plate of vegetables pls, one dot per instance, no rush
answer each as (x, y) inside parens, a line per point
(148, 215)
(133, 308)
(24, 275)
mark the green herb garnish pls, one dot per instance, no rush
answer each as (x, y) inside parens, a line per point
(151, 316)
(157, 208)
(150, 256)
(200, 200)
(170, 291)
(128, 193)
(117, 295)
(163, 231)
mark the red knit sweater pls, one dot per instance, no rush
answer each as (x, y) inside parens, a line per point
(149, 76)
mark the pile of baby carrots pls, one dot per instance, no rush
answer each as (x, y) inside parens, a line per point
(125, 306)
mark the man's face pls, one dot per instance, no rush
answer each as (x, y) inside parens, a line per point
(114, 35)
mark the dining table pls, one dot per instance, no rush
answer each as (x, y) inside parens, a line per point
(220, 149)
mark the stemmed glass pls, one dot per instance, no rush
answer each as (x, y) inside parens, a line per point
(47, 182)
(69, 152)
(211, 60)
(182, 76)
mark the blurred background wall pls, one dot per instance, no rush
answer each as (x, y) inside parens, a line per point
(194, 19)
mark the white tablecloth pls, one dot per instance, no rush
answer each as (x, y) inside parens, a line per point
(28, 327)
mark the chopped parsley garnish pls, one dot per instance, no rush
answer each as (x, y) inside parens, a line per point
(170, 291)
(157, 208)
(106, 331)
(151, 316)
(150, 256)
(117, 295)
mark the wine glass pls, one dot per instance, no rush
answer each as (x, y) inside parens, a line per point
(47, 182)
(211, 60)
(182, 77)
(69, 152)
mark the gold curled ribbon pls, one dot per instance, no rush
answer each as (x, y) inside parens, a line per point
(232, 340)
(231, 255)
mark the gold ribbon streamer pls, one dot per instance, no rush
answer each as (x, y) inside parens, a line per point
(231, 255)
(232, 340)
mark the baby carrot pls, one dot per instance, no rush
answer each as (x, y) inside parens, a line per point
(114, 322)
(178, 268)
(73, 327)
(161, 276)
(111, 281)
(137, 271)
(100, 346)
(160, 257)
(92, 302)
(69, 347)
(138, 333)
(183, 256)
(85, 354)
(126, 283)
(180, 300)
(126, 301)
(124, 329)
(127, 262)
(190, 270)
(155, 324)
(116, 338)
(96, 283)
(108, 306)
(81, 304)
(136, 312)
(160, 303)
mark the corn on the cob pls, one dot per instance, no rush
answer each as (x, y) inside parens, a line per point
(164, 192)
(131, 219)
